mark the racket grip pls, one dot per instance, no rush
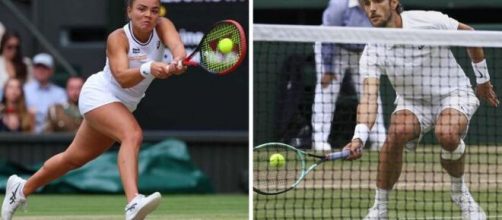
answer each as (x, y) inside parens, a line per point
(189, 63)
(338, 155)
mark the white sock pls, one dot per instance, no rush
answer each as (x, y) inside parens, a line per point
(457, 184)
(382, 197)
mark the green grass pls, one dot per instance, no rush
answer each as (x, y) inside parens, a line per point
(354, 204)
(191, 207)
(345, 190)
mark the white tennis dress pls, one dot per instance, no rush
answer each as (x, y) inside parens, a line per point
(102, 88)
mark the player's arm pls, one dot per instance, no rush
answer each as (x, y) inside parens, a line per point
(171, 38)
(366, 116)
(116, 50)
(484, 87)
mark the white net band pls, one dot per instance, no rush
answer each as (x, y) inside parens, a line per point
(306, 33)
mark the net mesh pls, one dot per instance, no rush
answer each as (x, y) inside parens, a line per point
(430, 70)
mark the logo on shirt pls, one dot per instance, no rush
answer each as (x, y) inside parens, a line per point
(141, 58)
(135, 50)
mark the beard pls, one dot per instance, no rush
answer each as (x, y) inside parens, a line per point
(383, 22)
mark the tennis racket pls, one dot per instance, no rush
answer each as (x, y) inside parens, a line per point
(209, 57)
(270, 179)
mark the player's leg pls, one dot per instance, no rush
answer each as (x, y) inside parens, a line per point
(324, 105)
(116, 121)
(451, 126)
(404, 127)
(87, 145)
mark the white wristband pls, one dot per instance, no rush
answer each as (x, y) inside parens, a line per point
(361, 132)
(146, 70)
(481, 72)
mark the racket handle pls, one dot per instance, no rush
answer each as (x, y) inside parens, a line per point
(338, 155)
(189, 63)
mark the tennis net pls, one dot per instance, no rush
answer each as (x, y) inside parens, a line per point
(433, 75)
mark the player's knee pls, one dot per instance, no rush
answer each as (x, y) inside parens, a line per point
(400, 135)
(447, 139)
(453, 154)
(134, 137)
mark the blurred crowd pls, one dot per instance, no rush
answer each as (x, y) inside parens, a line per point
(30, 101)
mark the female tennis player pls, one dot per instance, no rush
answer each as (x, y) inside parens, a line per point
(107, 99)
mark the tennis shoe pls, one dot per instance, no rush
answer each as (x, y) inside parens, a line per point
(377, 212)
(470, 209)
(13, 197)
(321, 146)
(141, 206)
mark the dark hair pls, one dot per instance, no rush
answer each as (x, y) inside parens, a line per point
(399, 8)
(19, 65)
(130, 2)
(25, 119)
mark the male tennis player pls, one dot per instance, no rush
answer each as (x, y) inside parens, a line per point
(432, 92)
(108, 98)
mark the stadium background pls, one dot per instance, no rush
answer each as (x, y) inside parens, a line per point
(208, 113)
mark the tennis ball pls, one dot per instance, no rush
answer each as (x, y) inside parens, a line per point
(225, 45)
(277, 160)
(162, 11)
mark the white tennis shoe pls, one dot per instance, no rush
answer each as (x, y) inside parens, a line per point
(141, 206)
(321, 146)
(470, 209)
(13, 197)
(377, 212)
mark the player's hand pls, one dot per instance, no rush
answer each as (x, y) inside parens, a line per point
(355, 147)
(486, 92)
(177, 67)
(160, 70)
(327, 78)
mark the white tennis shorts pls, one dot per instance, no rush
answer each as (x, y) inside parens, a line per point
(427, 112)
(96, 92)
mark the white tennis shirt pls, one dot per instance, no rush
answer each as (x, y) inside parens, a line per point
(139, 53)
(417, 72)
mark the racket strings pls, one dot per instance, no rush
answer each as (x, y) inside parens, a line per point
(211, 58)
(270, 178)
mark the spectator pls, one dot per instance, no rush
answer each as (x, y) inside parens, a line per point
(66, 117)
(12, 63)
(41, 93)
(13, 111)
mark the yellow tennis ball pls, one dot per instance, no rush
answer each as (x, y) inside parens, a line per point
(162, 11)
(277, 160)
(225, 45)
